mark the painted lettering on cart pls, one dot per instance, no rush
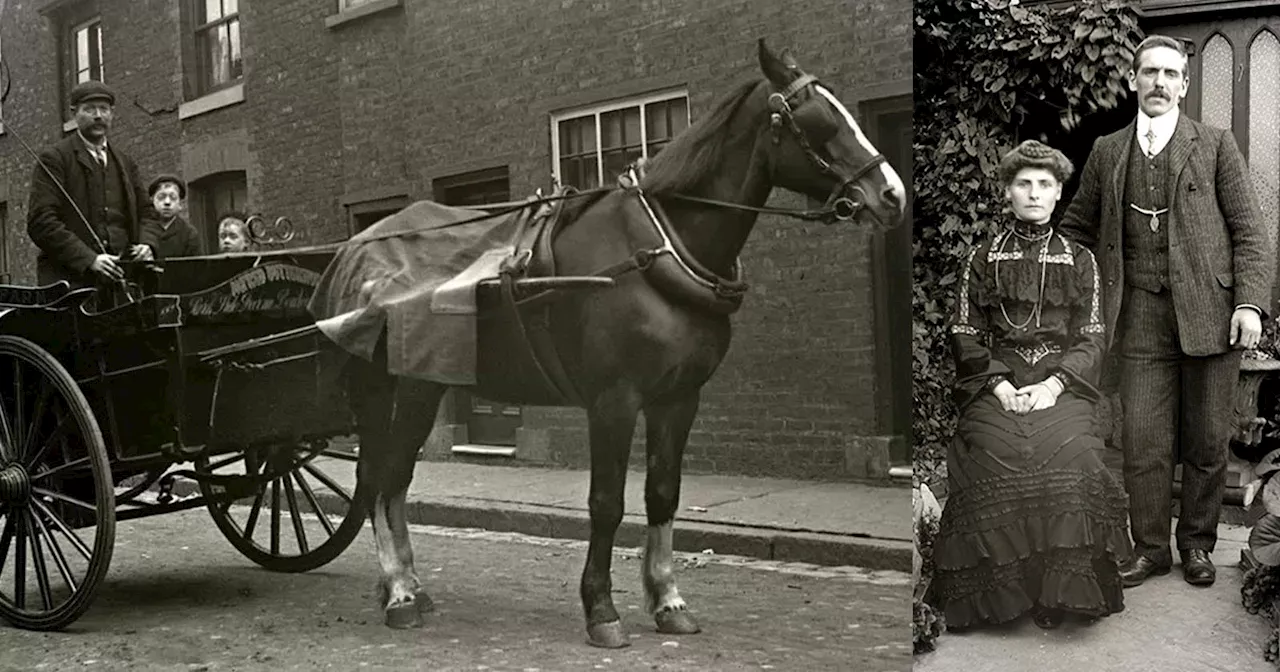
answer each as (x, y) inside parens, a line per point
(270, 288)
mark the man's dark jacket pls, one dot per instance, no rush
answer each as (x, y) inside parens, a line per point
(67, 249)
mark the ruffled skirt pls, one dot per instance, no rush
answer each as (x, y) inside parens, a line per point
(1033, 517)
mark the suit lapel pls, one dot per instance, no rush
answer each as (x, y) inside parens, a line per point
(130, 206)
(1180, 146)
(82, 153)
(1121, 162)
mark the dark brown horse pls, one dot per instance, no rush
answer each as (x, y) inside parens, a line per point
(631, 347)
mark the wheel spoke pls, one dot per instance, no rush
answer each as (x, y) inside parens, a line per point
(226, 461)
(44, 492)
(59, 558)
(338, 455)
(324, 478)
(37, 558)
(295, 515)
(253, 514)
(61, 468)
(310, 496)
(18, 424)
(64, 529)
(275, 517)
(6, 537)
(56, 435)
(8, 446)
(37, 414)
(20, 568)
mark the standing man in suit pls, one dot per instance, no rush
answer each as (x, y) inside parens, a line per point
(83, 232)
(1187, 269)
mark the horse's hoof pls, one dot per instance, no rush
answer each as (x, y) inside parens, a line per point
(676, 622)
(423, 602)
(404, 616)
(607, 635)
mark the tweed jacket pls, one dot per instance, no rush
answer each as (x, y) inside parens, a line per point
(66, 246)
(1220, 254)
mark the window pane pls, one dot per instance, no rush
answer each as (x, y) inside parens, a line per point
(616, 161)
(679, 115)
(216, 58)
(620, 128)
(212, 10)
(1216, 83)
(230, 7)
(82, 54)
(237, 64)
(657, 121)
(1264, 126)
(568, 139)
(97, 56)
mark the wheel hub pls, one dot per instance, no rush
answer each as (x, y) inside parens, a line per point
(15, 484)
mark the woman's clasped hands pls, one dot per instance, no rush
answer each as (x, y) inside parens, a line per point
(1029, 398)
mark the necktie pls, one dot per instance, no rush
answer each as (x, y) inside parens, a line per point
(1151, 143)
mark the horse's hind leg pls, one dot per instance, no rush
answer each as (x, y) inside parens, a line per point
(612, 422)
(666, 432)
(394, 418)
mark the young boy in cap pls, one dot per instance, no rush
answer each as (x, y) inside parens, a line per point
(177, 237)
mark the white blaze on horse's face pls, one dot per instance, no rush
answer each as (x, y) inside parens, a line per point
(890, 175)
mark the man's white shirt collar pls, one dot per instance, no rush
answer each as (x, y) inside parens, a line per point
(1163, 125)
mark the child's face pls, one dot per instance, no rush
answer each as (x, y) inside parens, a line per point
(231, 236)
(166, 200)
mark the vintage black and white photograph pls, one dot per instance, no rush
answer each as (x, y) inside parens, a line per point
(455, 335)
(1097, 423)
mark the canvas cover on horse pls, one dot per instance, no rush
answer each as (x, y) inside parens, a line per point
(415, 272)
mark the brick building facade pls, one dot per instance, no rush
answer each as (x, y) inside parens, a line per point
(334, 113)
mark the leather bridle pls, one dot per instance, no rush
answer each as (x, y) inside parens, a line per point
(846, 198)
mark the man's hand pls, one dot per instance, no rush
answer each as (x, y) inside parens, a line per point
(107, 266)
(142, 253)
(1246, 328)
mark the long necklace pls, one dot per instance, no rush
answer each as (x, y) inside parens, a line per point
(1044, 265)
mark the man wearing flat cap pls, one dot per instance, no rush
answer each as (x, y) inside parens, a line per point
(87, 203)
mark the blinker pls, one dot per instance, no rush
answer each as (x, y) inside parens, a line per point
(817, 121)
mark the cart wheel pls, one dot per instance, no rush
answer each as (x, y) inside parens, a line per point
(55, 491)
(322, 512)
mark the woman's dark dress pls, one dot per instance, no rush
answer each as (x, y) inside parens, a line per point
(1033, 517)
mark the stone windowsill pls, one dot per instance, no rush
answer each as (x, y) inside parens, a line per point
(219, 99)
(68, 125)
(367, 9)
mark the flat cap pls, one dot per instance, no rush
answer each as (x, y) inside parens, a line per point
(91, 90)
(165, 178)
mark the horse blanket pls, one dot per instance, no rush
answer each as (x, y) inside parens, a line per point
(414, 273)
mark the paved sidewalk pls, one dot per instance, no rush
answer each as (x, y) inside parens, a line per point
(1167, 626)
(768, 518)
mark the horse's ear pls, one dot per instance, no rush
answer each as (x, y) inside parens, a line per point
(776, 68)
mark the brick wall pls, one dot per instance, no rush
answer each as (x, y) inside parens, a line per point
(391, 101)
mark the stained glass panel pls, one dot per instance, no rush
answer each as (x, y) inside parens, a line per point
(1217, 83)
(1264, 126)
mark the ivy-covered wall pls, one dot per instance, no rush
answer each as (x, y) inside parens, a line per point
(989, 75)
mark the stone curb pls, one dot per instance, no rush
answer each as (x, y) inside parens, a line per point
(691, 536)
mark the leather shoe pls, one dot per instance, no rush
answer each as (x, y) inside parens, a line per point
(1197, 568)
(1048, 619)
(1140, 569)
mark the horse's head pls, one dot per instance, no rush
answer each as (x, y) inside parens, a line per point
(821, 150)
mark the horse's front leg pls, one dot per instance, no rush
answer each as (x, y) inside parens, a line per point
(666, 432)
(611, 424)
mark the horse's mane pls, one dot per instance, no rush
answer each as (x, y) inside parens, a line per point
(697, 152)
(690, 158)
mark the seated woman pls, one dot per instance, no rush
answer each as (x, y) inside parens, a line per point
(1034, 521)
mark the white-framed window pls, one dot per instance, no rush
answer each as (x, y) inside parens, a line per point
(592, 145)
(219, 62)
(86, 51)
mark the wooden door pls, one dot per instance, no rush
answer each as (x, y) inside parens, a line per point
(488, 423)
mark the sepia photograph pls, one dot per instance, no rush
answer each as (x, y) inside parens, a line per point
(457, 335)
(1096, 415)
